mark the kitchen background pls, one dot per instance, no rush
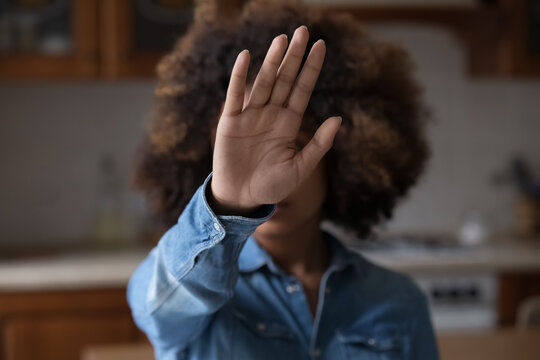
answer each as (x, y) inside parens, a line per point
(67, 144)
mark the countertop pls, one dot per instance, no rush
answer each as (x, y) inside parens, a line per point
(513, 256)
(80, 270)
(86, 270)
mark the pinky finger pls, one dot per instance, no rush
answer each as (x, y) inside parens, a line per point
(237, 85)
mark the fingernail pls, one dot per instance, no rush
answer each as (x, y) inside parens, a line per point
(303, 26)
(321, 40)
(279, 36)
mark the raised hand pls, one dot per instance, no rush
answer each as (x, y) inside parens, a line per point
(255, 157)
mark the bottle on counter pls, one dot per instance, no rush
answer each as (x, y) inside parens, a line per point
(110, 223)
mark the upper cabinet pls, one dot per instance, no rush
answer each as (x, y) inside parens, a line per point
(521, 38)
(118, 39)
(134, 34)
(501, 37)
(48, 39)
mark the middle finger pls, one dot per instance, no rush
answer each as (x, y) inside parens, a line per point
(301, 93)
(288, 70)
(262, 87)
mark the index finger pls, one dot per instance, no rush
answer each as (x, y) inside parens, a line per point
(234, 100)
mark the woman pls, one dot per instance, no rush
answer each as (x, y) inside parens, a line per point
(245, 271)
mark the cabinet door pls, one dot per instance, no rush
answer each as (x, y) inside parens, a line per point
(525, 31)
(62, 337)
(46, 39)
(135, 34)
(514, 288)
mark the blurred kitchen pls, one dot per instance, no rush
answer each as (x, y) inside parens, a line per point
(76, 90)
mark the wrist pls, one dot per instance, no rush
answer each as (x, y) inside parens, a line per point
(221, 207)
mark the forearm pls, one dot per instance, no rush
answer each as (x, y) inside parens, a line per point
(191, 273)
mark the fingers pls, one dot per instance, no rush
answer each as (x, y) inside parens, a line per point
(262, 87)
(308, 158)
(288, 70)
(301, 92)
(237, 85)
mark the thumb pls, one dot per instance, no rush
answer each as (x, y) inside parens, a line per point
(308, 158)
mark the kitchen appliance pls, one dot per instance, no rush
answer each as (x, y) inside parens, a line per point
(461, 300)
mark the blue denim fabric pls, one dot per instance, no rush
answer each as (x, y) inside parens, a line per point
(208, 291)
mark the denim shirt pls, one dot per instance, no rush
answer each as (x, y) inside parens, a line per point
(209, 291)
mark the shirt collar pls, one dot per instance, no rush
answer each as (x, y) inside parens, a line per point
(253, 256)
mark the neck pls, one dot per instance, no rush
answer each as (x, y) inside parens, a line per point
(300, 251)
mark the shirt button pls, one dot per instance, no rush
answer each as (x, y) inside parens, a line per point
(292, 288)
(372, 341)
(316, 352)
(261, 326)
(327, 290)
(216, 226)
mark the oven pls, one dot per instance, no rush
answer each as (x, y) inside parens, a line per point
(460, 300)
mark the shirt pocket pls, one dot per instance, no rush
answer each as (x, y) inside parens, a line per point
(258, 338)
(372, 345)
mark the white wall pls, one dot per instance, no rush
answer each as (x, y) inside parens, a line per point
(51, 139)
(479, 125)
(52, 136)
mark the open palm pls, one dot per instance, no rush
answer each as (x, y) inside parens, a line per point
(255, 157)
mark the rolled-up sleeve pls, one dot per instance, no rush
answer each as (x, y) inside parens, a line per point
(190, 274)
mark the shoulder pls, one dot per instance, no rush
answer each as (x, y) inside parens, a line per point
(386, 284)
(389, 307)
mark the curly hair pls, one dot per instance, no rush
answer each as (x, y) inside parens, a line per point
(378, 154)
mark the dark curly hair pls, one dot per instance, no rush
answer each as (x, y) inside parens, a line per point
(378, 154)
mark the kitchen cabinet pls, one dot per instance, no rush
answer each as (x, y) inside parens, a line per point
(519, 48)
(135, 34)
(501, 37)
(514, 287)
(58, 324)
(56, 40)
(119, 39)
(104, 38)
